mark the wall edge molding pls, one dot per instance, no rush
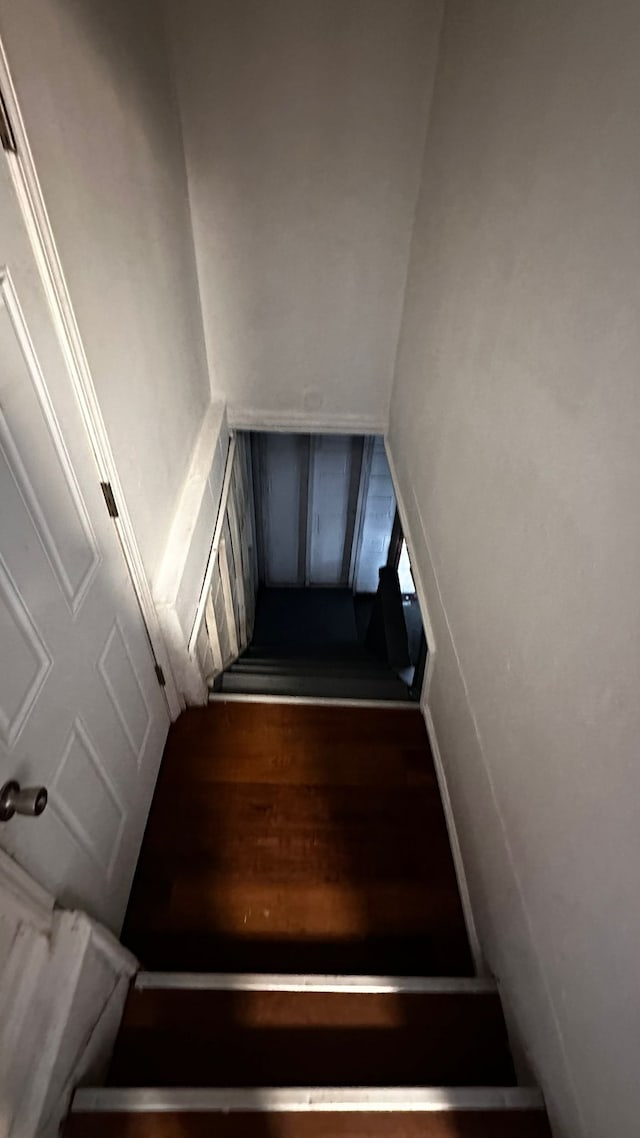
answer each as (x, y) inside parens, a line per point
(241, 419)
(479, 963)
(168, 579)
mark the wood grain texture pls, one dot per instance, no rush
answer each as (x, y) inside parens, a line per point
(208, 1038)
(291, 838)
(295, 831)
(458, 1124)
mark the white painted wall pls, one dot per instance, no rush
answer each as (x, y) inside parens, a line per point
(94, 86)
(515, 434)
(303, 122)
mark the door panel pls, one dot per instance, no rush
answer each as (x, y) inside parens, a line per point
(48, 487)
(81, 711)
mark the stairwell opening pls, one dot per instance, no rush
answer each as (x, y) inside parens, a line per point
(336, 611)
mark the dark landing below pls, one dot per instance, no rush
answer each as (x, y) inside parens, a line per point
(311, 642)
(298, 619)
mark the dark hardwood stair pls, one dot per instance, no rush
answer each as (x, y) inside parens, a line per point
(327, 679)
(289, 846)
(298, 838)
(487, 1122)
(174, 1037)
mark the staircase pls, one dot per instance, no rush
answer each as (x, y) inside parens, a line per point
(325, 643)
(350, 673)
(310, 975)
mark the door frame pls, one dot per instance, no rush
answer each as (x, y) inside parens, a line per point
(32, 206)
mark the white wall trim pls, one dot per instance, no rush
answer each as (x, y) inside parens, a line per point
(463, 886)
(55, 987)
(454, 841)
(186, 669)
(63, 982)
(308, 1099)
(215, 546)
(119, 958)
(344, 985)
(30, 198)
(169, 577)
(241, 419)
(178, 589)
(312, 700)
(80, 996)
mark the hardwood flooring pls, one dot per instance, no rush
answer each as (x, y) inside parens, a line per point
(301, 839)
(231, 1038)
(394, 1124)
(298, 838)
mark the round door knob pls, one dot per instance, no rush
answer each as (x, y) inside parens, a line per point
(32, 800)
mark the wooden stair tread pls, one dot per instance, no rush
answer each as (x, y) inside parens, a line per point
(178, 1037)
(305, 745)
(303, 839)
(395, 1124)
(297, 825)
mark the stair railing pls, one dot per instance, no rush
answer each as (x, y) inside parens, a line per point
(387, 632)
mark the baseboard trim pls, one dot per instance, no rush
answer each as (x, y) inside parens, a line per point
(465, 896)
(295, 422)
(458, 861)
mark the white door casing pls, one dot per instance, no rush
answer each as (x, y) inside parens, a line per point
(81, 711)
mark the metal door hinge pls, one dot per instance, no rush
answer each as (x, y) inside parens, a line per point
(109, 499)
(7, 137)
(160, 676)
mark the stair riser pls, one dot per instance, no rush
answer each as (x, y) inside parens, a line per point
(198, 951)
(230, 1038)
(470, 1124)
(320, 686)
(354, 667)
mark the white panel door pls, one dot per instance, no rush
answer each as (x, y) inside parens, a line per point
(81, 711)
